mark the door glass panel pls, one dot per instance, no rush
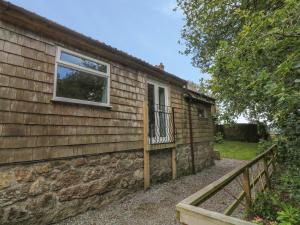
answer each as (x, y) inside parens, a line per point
(162, 109)
(151, 110)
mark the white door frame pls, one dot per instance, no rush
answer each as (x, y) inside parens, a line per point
(158, 139)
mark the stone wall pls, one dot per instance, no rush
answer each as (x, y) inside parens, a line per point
(47, 192)
(160, 166)
(161, 163)
(203, 153)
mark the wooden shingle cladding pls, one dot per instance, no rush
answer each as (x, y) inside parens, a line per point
(202, 127)
(33, 127)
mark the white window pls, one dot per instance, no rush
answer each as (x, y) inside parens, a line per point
(80, 79)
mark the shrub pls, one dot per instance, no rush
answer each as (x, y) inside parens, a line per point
(263, 207)
(288, 215)
(282, 202)
(219, 138)
(263, 145)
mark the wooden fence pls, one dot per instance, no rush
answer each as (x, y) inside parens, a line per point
(252, 177)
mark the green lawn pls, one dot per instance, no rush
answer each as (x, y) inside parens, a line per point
(237, 150)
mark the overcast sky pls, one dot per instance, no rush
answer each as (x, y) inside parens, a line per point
(147, 29)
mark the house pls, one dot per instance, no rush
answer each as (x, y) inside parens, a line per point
(82, 123)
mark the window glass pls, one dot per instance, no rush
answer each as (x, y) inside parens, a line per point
(202, 112)
(151, 111)
(83, 62)
(162, 98)
(75, 84)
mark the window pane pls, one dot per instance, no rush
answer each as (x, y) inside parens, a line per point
(151, 108)
(161, 94)
(76, 84)
(83, 62)
(162, 115)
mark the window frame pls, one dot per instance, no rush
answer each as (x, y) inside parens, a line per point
(106, 75)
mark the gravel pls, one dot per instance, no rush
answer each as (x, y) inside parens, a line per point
(157, 205)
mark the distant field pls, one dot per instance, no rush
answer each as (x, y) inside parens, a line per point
(237, 150)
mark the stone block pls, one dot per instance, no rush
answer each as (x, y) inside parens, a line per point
(66, 179)
(42, 168)
(17, 215)
(139, 174)
(82, 191)
(216, 155)
(38, 187)
(7, 178)
(23, 174)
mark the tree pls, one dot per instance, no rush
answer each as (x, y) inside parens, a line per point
(252, 50)
(202, 87)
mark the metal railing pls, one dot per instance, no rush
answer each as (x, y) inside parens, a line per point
(161, 124)
(252, 177)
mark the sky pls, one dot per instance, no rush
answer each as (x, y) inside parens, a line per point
(147, 29)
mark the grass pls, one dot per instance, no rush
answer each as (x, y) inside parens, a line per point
(237, 150)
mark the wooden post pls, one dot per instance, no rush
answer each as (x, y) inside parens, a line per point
(146, 152)
(246, 187)
(273, 158)
(266, 172)
(174, 166)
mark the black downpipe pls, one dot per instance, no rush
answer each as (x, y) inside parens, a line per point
(191, 135)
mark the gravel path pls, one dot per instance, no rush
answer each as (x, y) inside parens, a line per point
(157, 205)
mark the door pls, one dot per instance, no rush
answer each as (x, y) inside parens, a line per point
(158, 113)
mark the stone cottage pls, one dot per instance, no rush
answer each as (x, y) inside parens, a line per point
(83, 124)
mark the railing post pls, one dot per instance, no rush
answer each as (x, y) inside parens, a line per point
(246, 187)
(173, 125)
(266, 172)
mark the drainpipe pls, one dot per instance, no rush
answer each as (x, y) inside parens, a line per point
(191, 135)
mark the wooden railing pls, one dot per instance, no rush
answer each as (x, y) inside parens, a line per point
(252, 177)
